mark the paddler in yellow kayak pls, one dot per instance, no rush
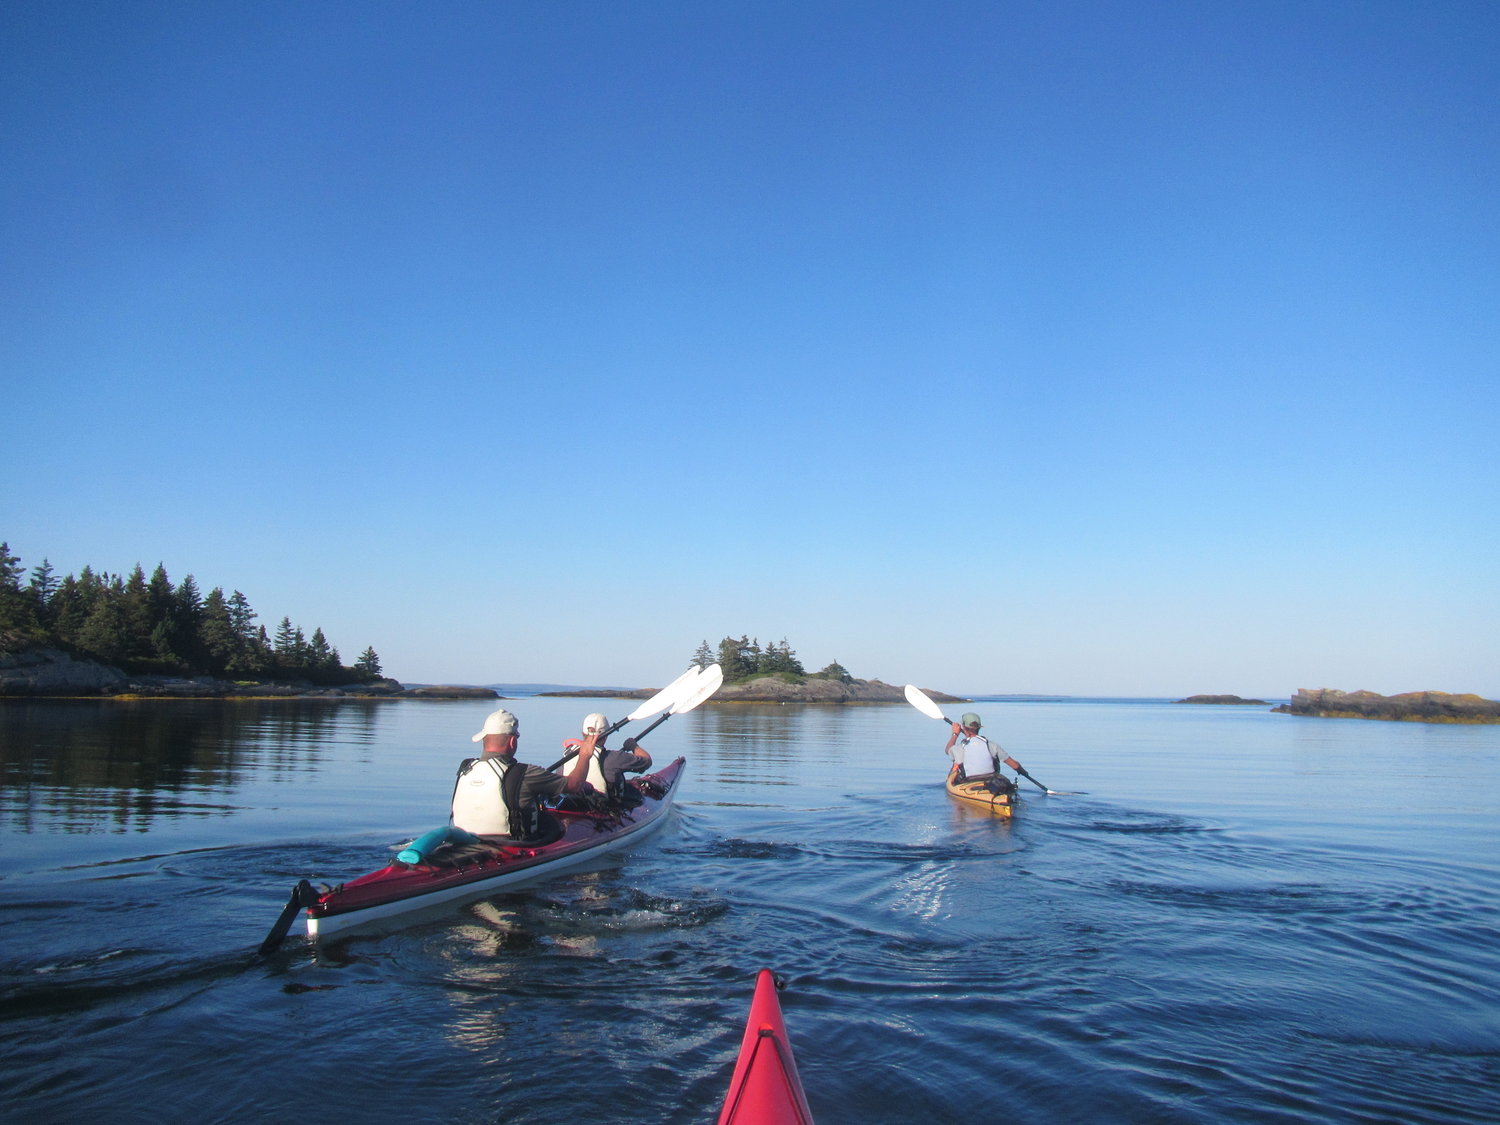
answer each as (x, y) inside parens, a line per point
(976, 758)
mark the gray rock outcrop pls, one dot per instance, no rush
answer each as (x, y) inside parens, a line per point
(48, 671)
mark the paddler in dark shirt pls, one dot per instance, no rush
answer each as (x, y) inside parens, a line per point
(606, 767)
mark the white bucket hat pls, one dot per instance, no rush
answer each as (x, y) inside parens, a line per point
(499, 722)
(595, 724)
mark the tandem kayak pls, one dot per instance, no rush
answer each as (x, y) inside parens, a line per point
(474, 870)
(986, 793)
(765, 1089)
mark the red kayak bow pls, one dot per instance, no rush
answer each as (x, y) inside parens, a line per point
(765, 1089)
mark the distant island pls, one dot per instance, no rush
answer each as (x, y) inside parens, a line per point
(1411, 707)
(776, 689)
(1224, 700)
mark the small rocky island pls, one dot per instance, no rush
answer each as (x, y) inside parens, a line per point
(1224, 700)
(1411, 707)
(780, 689)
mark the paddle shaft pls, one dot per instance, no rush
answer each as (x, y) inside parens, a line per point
(1020, 769)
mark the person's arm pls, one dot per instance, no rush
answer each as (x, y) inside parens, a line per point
(578, 775)
(642, 759)
(952, 738)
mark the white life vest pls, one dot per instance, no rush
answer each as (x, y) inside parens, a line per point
(976, 755)
(479, 802)
(595, 775)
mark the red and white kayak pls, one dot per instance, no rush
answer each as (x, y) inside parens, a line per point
(479, 870)
(765, 1089)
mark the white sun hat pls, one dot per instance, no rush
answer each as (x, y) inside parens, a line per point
(499, 722)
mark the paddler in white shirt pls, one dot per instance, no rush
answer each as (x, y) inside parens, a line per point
(976, 756)
(479, 802)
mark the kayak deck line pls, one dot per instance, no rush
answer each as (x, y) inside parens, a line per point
(480, 869)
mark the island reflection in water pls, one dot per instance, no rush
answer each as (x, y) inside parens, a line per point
(116, 766)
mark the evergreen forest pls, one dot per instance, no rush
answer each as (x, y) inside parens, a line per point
(150, 626)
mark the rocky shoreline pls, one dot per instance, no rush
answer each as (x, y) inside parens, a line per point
(1410, 707)
(51, 673)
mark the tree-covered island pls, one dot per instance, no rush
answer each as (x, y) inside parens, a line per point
(772, 673)
(101, 633)
(1409, 707)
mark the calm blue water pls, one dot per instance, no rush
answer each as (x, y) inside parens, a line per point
(1245, 917)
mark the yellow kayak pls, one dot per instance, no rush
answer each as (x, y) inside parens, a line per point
(992, 793)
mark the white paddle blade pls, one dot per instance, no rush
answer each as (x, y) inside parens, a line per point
(708, 683)
(918, 699)
(668, 695)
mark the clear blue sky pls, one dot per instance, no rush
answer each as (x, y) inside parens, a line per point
(1093, 348)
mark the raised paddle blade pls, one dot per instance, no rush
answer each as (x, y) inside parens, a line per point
(663, 699)
(705, 686)
(765, 1088)
(708, 683)
(918, 699)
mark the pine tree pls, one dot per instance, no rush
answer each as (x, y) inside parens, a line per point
(734, 658)
(262, 658)
(319, 653)
(43, 585)
(241, 616)
(835, 671)
(217, 639)
(102, 637)
(18, 616)
(288, 648)
(68, 611)
(368, 664)
(704, 656)
(159, 598)
(139, 618)
(187, 620)
(249, 660)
